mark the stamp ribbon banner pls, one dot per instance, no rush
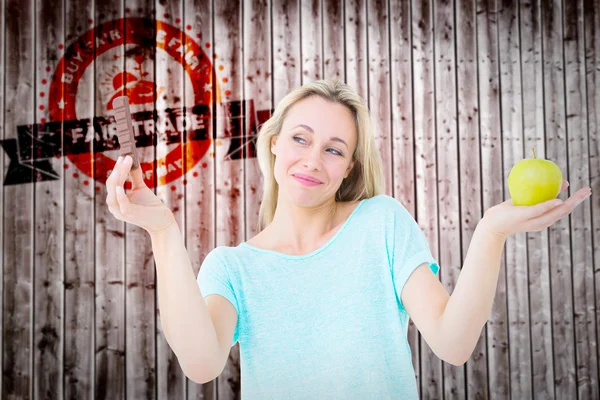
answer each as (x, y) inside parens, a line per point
(35, 146)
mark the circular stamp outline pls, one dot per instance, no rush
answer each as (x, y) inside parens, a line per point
(133, 30)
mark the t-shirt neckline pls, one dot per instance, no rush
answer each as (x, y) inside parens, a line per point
(314, 252)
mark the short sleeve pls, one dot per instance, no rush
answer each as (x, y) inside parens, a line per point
(213, 278)
(408, 247)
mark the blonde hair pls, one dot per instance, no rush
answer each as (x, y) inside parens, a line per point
(366, 178)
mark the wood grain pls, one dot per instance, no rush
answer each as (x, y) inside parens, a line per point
(379, 83)
(229, 177)
(448, 176)
(110, 315)
(426, 193)
(591, 20)
(200, 202)
(140, 274)
(356, 46)
(516, 252)
(403, 155)
(18, 212)
(492, 185)
(2, 174)
(561, 271)
(169, 94)
(586, 344)
(311, 47)
(537, 248)
(333, 39)
(79, 221)
(258, 94)
(469, 168)
(49, 240)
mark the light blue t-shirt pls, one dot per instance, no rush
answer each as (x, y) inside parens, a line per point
(329, 324)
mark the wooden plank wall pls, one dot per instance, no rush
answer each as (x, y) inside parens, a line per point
(459, 91)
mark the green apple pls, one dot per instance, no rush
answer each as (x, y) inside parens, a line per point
(532, 181)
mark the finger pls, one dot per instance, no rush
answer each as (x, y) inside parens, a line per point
(579, 197)
(530, 212)
(125, 206)
(131, 212)
(124, 169)
(563, 210)
(116, 211)
(137, 175)
(111, 182)
(572, 202)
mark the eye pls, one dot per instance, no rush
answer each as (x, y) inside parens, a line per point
(297, 137)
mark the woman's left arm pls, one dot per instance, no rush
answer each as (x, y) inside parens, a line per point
(451, 325)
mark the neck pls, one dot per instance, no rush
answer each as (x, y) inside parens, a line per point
(303, 229)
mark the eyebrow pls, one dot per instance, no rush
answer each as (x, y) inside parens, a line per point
(334, 138)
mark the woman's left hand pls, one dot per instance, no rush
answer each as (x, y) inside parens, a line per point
(505, 219)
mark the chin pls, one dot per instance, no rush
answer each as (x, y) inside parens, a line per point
(305, 199)
(308, 198)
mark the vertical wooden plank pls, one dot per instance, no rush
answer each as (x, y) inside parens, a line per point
(537, 248)
(356, 46)
(425, 165)
(333, 39)
(379, 82)
(286, 47)
(310, 39)
(591, 22)
(18, 207)
(559, 236)
(2, 174)
(200, 194)
(79, 214)
(516, 252)
(579, 176)
(469, 157)
(448, 179)
(48, 336)
(492, 181)
(403, 156)
(109, 251)
(140, 303)
(79, 221)
(257, 90)
(229, 183)
(170, 379)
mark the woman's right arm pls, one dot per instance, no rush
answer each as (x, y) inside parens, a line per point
(185, 317)
(199, 332)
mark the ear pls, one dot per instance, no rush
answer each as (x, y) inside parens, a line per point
(349, 168)
(273, 143)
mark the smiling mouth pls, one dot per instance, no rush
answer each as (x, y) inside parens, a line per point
(306, 181)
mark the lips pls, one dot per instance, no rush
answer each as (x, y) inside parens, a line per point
(307, 178)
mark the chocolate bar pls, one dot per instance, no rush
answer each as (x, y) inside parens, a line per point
(125, 130)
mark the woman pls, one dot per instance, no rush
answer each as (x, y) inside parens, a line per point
(320, 298)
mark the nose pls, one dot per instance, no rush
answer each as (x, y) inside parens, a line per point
(313, 159)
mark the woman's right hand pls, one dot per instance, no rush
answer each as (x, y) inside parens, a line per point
(140, 206)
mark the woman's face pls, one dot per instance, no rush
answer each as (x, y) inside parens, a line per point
(316, 142)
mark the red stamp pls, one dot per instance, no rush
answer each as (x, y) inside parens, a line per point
(133, 35)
